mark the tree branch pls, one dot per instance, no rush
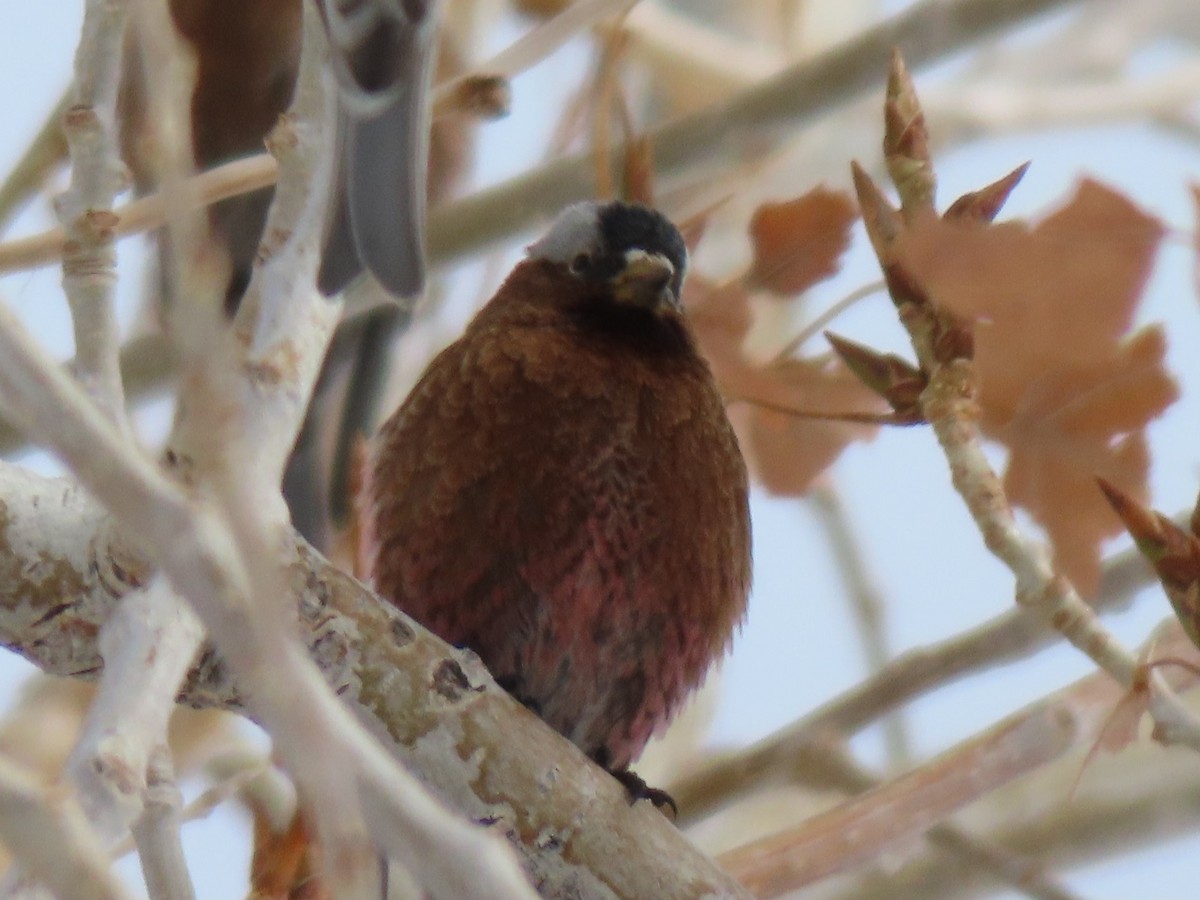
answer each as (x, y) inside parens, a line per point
(437, 708)
(89, 249)
(48, 835)
(157, 832)
(1005, 638)
(754, 118)
(861, 828)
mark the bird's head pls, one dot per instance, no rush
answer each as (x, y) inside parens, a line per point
(627, 254)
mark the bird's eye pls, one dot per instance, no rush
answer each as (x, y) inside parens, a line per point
(581, 263)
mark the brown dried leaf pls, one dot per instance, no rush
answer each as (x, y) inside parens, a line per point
(1079, 272)
(786, 452)
(283, 864)
(1061, 385)
(799, 242)
(1075, 425)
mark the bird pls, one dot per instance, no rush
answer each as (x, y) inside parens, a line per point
(383, 57)
(245, 73)
(563, 494)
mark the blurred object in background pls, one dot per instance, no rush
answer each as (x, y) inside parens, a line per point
(245, 70)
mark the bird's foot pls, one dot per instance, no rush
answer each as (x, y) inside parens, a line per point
(637, 788)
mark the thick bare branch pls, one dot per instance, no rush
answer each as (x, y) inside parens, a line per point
(482, 752)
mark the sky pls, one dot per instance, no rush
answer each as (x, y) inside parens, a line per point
(798, 646)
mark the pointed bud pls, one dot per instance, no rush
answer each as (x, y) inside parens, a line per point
(906, 143)
(1174, 553)
(882, 220)
(985, 204)
(891, 377)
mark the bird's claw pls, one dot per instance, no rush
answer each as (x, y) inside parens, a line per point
(637, 788)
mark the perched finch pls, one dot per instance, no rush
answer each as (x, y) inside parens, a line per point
(563, 493)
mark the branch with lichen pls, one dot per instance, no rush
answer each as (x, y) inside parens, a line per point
(480, 750)
(242, 401)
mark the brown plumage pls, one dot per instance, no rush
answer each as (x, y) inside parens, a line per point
(562, 491)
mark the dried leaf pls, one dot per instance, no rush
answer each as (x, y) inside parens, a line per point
(1079, 272)
(799, 242)
(1075, 425)
(282, 867)
(1061, 384)
(786, 452)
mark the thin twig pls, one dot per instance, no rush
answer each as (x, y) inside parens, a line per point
(44, 154)
(928, 31)
(1005, 638)
(530, 49)
(147, 363)
(50, 838)
(866, 605)
(85, 209)
(821, 322)
(147, 213)
(861, 828)
(684, 50)
(157, 832)
(989, 106)
(147, 645)
(1006, 866)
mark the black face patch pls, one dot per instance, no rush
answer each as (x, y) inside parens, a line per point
(628, 226)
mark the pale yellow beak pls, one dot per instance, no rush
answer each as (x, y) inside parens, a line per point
(645, 281)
